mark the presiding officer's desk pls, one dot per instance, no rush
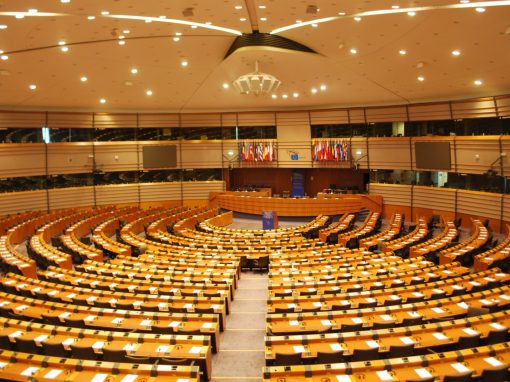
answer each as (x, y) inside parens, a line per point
(472, 361)
(16, 366)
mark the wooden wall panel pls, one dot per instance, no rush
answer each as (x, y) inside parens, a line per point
(109, 120)
(117, 194)
(480, 108)
(256, 119)
(201, 190)
(14, 202)
(476, 154)
(506, 208)
(70, 120)
(503, 105)
(429, 112)
(380, 157)
(436, 198)
(329, 117)
(119, 156)
(357, 115)
(294, 136)
(387, 114)
(22, 160)
(505, 149)
(480, 204)
(160, 191)
(359, 145)
(22, 119)
(70, 158)
(201, 120)
(71, 197)
(394, 194)
(158, 120)
(202, 154)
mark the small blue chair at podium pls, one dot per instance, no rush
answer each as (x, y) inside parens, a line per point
(269, 220)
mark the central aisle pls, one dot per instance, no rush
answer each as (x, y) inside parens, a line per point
(241, 354)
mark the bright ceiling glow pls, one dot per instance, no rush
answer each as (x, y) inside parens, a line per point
(314, 90)
(83, 79)
(323, 87)
(149, 92)
(134, 70)
(177, 21)
(295, 94)
(226, 85)
(480, 4)
(456, 52)
(480, 9)
(274, 96)
(421, 78)
(402, 52)
(20, 15)
(102, 100)
(33, 87)
(285, 96)
(477, 82)
(4, 57)
(65, 49)
(3, 26)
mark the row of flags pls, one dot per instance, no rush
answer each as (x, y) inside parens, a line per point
(257, 151)
(330, 150)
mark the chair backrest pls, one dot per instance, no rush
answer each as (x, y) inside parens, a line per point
(54, 350)
(458, 378)
(287, 359)
(330, 357)
(83, 352)
(26, 345)
(397, 351)
(114, 355)
(365, 354)
(495, 375)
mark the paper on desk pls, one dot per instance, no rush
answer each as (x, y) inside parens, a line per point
(493, 361)
(470, 332)
(129, 378)
(407, 340)
(68, 341)
(336, 347)
(440, 336)
(343, 378)
(98, 345)
(195, 349)
(372, 344)
(497, 326)
(117, 320)
(99, 377)
(17, 333)
(460, 367)
(325, 322)
(294, 323)
(161, 349)
(29, 371)
(384, 375)
(423, 373)
(299, 349)
(207, 325)
(129, 347)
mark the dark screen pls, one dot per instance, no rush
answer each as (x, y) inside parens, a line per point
(160, 156)
(433, 155)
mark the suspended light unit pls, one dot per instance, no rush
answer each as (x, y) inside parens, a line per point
(257, 83)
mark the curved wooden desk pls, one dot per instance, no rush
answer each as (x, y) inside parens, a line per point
(297, 206)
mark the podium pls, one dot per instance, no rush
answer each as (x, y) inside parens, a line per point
(269, 220)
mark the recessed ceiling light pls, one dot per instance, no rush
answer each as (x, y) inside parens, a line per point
(263, 19)
(285, 96)
(162, 17)
(242, 19)
(32, 10)
(208, 23)
(194, 27)
(148, 21)
(65, 1)
(421, 78)
(341, 13)
(91, 17)
(262, 7)
(395, 6)
(184, 63)
(128, 83)
(354, 51)
(3, 26)
(33, 87)
(299, 21)
(19, 16)
(314, 90)
(122, 37)
(4, 57)
(477, 82)
(402, 52)
(464, 1)
(274, 96)
(83, 79)
(149, 92)
(315, 25)
(323, 87)
(456, 52)
(105, 13)
(357, 18)
(122, 42)
(178, 33)
(64, 49)
(480, 10)
(126, 31)
(295, 94)
(411, 13)
(61, 42)
(176, 38)
(225, 85)
(134, 70)
(238, 7)
(102, 100)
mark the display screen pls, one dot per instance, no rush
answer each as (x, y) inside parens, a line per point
(433, 155)
(160, 156)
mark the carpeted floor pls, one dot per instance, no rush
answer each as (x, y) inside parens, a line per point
(241, 354)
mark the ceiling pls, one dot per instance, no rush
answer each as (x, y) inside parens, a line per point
(376, 75)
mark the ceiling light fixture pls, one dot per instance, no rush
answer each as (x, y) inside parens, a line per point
(402, 52)
(323, 87)
(480, 9)
(314, 90)
(134, 70)
(456, 52)
(274, 96)
(4, 57)
(184, 63)
(257, 83)
(285, 96)
(102, 100)
(64, 49)
(421, 78)
(33, 87)
(149, 92)
(357, 18)
(83, 79)
(3, 26)
(353, 51)
(295, 94)
(226, 85)
(411, 13)
(65, 1)
(477, 82)
(91, 17)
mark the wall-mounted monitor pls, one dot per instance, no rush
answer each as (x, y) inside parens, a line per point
(433, 155)
(159, 156)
